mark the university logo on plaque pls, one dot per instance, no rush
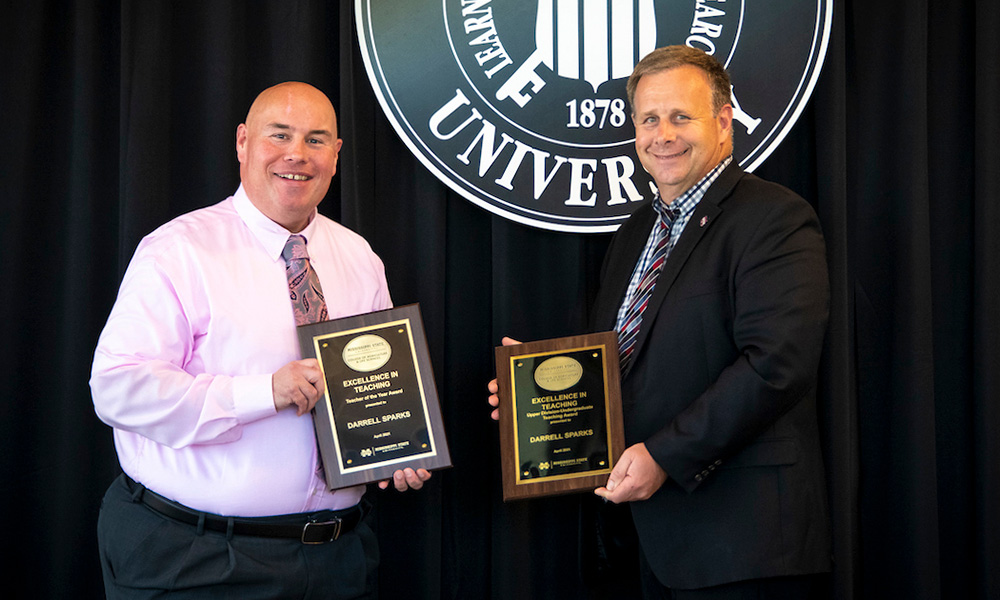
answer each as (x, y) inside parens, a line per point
(519, 105)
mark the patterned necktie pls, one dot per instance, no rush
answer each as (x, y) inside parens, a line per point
(303, 283)
(633, 316)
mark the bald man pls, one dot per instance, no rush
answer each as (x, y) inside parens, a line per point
(198, 371)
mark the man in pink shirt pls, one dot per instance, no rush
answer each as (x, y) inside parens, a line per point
(199, 373)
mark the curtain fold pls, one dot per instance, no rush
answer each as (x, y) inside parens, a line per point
(983, 518)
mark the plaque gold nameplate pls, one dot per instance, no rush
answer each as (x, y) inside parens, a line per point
(380, 411)
(560, 409)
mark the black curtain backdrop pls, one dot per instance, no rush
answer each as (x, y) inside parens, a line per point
(119, 116)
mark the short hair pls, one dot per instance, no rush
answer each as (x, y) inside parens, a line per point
(671, 57)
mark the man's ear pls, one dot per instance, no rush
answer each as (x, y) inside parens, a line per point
(726, 119)
(337, 145)
(241, 141)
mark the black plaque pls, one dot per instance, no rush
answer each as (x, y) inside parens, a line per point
(380, 411)
(560, 414)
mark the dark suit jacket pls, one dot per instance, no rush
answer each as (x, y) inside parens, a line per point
(722, 387)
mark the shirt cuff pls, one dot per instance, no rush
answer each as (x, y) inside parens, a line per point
(253, 398)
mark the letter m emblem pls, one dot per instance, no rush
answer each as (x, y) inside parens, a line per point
(594, 40)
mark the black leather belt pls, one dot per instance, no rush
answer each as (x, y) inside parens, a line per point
(313, 528)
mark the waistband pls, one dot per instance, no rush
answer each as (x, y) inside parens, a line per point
(309, 528)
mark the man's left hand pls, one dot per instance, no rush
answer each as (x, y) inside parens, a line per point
(636, 476)
(406, 479)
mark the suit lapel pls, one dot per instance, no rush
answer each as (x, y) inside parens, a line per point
(705, 215)
(633, 244)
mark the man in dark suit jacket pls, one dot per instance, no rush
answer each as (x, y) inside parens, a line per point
(723, 469)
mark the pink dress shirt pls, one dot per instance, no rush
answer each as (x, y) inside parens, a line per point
(182, 370)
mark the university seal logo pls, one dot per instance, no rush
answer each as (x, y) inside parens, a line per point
(519, 105)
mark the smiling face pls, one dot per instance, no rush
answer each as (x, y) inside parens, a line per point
(677, 137)
(288, 151)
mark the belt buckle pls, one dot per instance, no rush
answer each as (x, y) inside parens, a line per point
(313, 532)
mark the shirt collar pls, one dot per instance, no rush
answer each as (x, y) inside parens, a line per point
(685, 204)
(270, 235)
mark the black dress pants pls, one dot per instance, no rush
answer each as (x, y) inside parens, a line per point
(798, 587)
(147, 555)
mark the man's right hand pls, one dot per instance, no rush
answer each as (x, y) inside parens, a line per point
(492, 386)
(298, 384)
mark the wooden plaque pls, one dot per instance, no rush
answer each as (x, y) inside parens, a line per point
(561, 428)
(380, 412)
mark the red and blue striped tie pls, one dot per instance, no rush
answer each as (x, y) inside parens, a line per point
(629, 331)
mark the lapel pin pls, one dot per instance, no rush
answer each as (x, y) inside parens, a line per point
(704, 220)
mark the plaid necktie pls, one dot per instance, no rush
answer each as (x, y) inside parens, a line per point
(303, 283)
(633, 317)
